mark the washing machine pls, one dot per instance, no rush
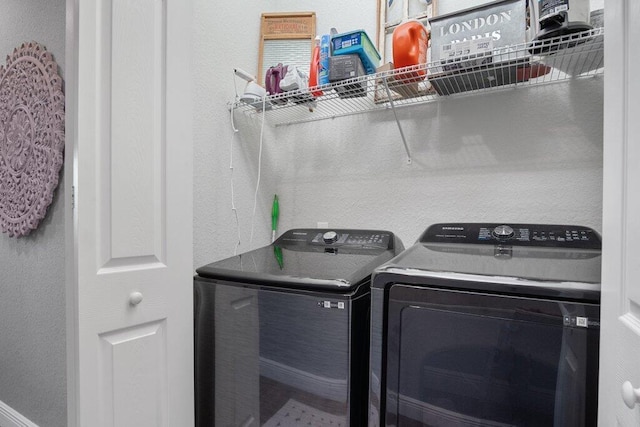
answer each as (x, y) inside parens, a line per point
(488, 325)
(282, 332)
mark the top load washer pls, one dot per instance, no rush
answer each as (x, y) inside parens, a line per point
(282, 332)
(488, 325)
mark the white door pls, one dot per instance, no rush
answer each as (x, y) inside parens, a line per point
(620, 331)
(131, 339)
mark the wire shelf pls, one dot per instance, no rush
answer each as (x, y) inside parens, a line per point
(542, 62)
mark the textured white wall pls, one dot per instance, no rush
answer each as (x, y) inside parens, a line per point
(227, 36)
(528, 155)
(32, 296)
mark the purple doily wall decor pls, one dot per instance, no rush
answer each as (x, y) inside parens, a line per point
(31, 137)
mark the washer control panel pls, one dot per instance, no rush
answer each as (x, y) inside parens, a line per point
(335, 238)
(565, 236)
(354, 238)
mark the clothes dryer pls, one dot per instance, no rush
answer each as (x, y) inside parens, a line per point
(488, 325)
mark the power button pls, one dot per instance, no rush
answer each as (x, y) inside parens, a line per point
(503, 232)
(330, 237)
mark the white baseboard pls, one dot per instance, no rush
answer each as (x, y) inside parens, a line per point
(9, 417)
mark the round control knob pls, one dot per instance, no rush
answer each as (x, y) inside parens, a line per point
(503, 232)
(330, 237)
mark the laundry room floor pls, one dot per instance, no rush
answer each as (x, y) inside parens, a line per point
(285, 405)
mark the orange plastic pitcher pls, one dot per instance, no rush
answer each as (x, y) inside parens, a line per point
(314, 68)
(410, 41)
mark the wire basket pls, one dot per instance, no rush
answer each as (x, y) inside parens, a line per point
(534, 63)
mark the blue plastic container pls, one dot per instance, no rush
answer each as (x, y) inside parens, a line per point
(357, 42)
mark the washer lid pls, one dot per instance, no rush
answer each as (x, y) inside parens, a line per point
(337, 259)
(516, 258)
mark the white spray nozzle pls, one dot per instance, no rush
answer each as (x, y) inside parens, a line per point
(243, 74)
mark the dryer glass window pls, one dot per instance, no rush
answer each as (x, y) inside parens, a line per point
(468, 359)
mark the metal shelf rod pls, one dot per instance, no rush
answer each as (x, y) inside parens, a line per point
(395, 114)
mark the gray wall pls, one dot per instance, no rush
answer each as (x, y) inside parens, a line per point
(32, 268)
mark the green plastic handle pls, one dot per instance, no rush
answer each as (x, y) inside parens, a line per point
(275, 213)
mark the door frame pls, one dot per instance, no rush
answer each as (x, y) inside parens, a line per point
(70, 179)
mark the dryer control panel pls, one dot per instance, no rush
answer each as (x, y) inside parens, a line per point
(545, 235)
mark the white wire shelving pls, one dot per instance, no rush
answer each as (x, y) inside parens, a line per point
(553, 60)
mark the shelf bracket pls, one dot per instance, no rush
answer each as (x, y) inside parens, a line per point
(395, 114)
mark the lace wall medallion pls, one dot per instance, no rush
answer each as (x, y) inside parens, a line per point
(31, 137)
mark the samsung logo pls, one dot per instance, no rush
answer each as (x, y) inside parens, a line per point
(299, 234)
(453, 228)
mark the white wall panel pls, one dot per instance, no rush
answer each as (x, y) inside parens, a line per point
(134, 364)
(133, 89)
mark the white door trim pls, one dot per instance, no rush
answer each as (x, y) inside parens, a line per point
(70, 179)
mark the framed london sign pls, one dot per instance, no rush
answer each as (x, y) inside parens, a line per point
(479, 47)
(499, 28)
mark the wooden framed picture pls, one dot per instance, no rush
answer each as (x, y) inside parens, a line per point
(391, 13)
(286, 38)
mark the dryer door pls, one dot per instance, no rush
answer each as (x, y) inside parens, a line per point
(460, 358)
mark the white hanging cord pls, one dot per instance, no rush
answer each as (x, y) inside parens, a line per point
(233, 126)
(233, 105)
(255, 195)
(235, 87)
(233, 201)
